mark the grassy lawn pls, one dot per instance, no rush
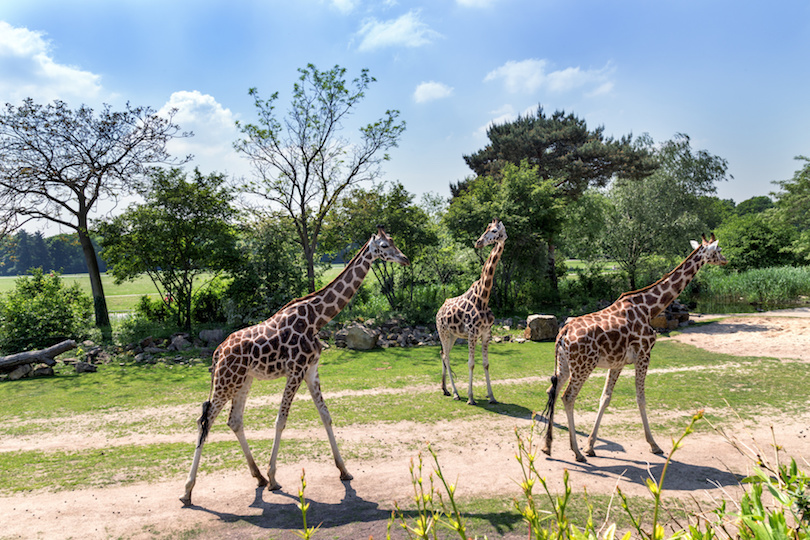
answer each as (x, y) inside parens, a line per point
(46, 405)
(124, 297)
(138, 396)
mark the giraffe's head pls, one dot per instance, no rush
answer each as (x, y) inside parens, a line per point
(710, 251)
(495, 232)
(382, 247)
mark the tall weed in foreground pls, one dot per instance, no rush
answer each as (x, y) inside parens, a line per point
(785, 516)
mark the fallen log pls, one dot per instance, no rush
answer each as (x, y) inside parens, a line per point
(43, 356)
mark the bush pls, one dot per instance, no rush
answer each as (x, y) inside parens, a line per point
(41, 311)
(783, 284)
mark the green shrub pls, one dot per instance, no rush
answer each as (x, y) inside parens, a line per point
(42, 311)
(781, 284)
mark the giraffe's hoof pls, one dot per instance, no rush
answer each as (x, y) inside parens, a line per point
(446, 393)
(275, 486)
(657, 450)
(345, 477)
(493, 401)
(262, 481)
(186, 501)
(581, 458)
(471, 402)
(590, 453)
(456, 397)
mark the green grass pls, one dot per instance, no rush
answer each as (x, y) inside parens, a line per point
(693, 379)
(123, 297)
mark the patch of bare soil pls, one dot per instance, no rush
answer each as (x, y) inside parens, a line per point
(478, 456)
(779, 334)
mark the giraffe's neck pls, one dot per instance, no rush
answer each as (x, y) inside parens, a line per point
(660, 294)
(488, 273)
(337, 294)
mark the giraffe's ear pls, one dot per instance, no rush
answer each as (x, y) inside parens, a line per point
(695, 245)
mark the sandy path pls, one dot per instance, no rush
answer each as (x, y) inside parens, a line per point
(479, 456)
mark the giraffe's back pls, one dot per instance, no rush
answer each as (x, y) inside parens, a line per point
(286, 343)
(607, 338)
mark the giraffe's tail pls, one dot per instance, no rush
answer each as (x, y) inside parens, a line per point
(204, 423)
(548, 412)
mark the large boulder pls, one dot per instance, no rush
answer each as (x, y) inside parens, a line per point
(361, 338)
(541, 328)
(212, 337)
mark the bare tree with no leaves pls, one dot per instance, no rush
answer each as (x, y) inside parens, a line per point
(57, 164)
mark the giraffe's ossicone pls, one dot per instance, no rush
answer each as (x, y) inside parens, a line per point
(611, 338)
(468, 316)
(285, 345)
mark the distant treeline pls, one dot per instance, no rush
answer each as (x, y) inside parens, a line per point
(61, 253)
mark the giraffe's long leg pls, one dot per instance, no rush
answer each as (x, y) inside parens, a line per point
(314, 385)
(485, 337)
(206, 420)
(471, 341)
(641, 374)
(604, 401)
(558, 382)
(569, 397)
(235, 422)
(293, 382)
(447, 339)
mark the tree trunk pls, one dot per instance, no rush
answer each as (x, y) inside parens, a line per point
(552, 270)
(99, 302)
(309, 255)
(45, 356)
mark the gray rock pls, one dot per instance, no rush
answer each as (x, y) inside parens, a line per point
(212, 337)
(361, 338)
(541, 328)
(85, 367)
(20, 371)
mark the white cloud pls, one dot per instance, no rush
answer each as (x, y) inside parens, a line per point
(430, 91)
(344, 6)
(529, 76)
(406, 31)
(27, 69)
(214, 129)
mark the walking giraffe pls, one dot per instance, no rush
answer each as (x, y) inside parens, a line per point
(618, 335)
(468, 316)
(285, 345)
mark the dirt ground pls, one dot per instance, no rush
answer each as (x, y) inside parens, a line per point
(479, 457)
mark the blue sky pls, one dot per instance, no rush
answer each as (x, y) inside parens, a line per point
(734, 76)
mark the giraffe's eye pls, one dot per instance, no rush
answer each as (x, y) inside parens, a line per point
(384, 245)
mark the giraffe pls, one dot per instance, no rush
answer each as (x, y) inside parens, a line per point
(285, 345)
(618, 335)
(468, 316)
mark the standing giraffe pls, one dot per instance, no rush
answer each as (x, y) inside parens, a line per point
(468, 316)
(285, 345)
(618, 335)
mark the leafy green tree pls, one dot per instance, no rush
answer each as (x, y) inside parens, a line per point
(565, 152)
(181, 232)
(563, 148)
(57, 164)
(41, 311)
(270, 272)
(713, 210)
(792, 207)
(754, 205)
(530, 211)
(355, 219)
(756, 241)
(660, 214)
(304, 164)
